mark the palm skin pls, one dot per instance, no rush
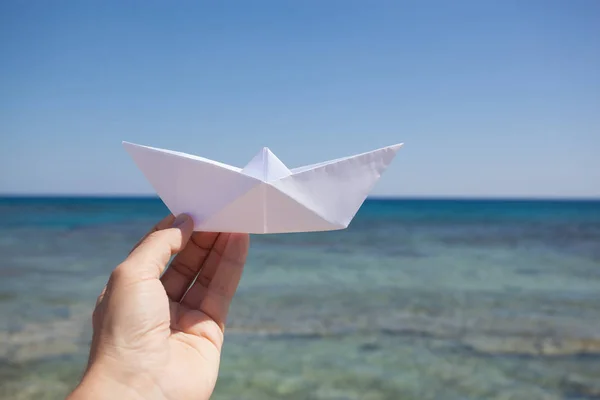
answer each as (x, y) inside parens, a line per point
(160, 337)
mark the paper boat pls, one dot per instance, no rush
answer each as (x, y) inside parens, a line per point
(264, 196)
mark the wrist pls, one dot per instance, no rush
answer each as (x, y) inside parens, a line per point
(101, 382)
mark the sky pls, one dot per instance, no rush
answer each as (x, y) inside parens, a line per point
(490, 98)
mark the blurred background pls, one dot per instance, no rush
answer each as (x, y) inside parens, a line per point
(473, 272)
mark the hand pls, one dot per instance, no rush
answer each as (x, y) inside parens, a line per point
(153, 338)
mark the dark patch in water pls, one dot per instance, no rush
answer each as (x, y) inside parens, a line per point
(577, 390)
(296, 336)
(369, 347)
(578, 356)
(406, 332)
(7, 296)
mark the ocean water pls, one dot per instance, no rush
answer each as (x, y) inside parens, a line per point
(417, 299)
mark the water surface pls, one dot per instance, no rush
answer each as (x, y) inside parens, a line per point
(423, 299)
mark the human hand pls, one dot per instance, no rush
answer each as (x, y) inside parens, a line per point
(153, 338)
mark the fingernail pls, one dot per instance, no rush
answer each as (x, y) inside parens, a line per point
(180, 220)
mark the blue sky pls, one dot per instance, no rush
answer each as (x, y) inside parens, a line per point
(491, 98)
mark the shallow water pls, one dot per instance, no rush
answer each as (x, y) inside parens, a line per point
(417, 299)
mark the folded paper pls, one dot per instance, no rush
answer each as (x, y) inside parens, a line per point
(264, 196)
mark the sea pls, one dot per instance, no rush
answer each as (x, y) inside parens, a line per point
(417, 299)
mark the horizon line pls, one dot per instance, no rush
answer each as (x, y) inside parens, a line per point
(373, 197)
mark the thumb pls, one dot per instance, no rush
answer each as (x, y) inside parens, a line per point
(149, 259)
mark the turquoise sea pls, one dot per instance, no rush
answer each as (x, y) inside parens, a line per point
(418, 299)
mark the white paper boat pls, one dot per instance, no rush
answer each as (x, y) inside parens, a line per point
(264, 196)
